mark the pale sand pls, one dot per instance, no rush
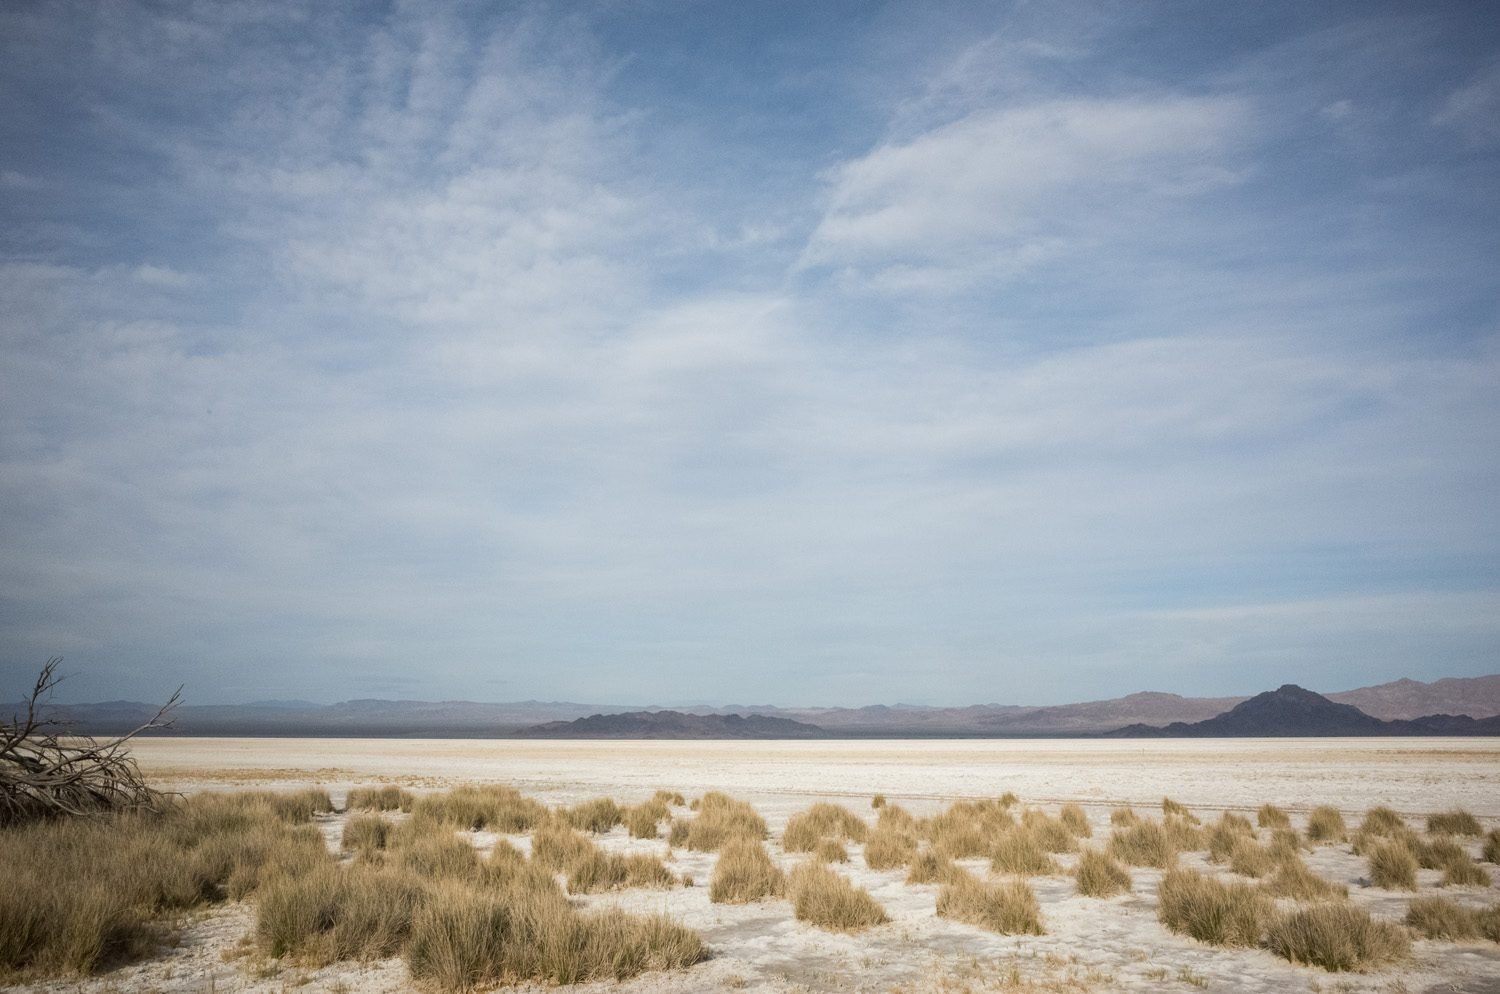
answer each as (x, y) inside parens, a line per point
(1091, 945)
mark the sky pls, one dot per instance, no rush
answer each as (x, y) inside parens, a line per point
(685, 352)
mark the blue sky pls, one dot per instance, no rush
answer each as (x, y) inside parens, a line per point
(794, 353)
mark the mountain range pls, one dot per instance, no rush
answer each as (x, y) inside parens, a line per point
(1291, 710)
(1402, 700)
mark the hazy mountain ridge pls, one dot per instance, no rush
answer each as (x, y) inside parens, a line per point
(1291, 711)
(1475, 697)
(675, 725)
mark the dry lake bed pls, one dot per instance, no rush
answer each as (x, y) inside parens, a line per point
(1089, 945)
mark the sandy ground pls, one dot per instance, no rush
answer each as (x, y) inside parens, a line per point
(1091, 945)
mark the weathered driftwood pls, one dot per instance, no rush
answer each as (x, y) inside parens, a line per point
(45, 772)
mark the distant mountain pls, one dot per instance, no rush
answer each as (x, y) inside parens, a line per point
(1291, 711)
(1475, 696)
(675, 725)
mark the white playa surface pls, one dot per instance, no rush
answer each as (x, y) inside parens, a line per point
(1091, 945)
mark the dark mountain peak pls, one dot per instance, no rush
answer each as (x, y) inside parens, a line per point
(675, 725)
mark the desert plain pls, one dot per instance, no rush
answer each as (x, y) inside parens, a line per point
(1088, 944)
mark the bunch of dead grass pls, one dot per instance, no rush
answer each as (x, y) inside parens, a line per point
(1212, 911)
(744, 873)
(1007, 907)
(829, 901)
(1337, 937)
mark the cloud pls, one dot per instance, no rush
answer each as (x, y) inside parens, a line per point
(1473, 110)
(1005, 188)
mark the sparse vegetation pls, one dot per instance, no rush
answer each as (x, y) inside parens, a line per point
(931, 867)
(492, 807)
(1145, 843)
(1170, 807)
(806, 829)
(1337, 937)
(830, 851)
(1294, 879)
(1249, 859)
(597, 816)
(1075, 820)
(1020, 851)
(1270, 816)
(1124, 818)
(1052, 834)
(365, 834)
(1100, 875)
(889, 848)
(601, 871)
(387, 798)
(1393, 866)
(744, 873)
(1441, 918)
(1008, 907)
(720, 818)
(1381, 820)
(1209, 910)
(829, 901)
(1491, 851)
(1455, 822)
(967, 829)
(878, 801)
(1325, 824)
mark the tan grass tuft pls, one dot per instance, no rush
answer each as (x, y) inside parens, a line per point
(822, 821)
(602, 871)
(1491, 851)
(1325, 824)
(1170, 807)
(1294, 879)
(1381, 820)
(878, 801)
(890, 848)
(387, 798)
(720, 818)
(597, 816)
(1441, 918)
(365, 834)
(1009, 907)
(1209, 910)
(1143, 844)
(744, 873)
(1100, 875)
(829, 901)
(830, 851)
(1455, 822)
(931, 867)
(1393, 867)
(1124, 818)
(1020, 851)
(1270, 816)
(490, 806)
(1075, 820)
(1337, 937)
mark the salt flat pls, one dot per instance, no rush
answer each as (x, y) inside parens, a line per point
(1090, 945)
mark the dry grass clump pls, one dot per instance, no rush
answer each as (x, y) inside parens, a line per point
(830, 851)
(1249, 858)
(1295, 880)
(1124, 818)
(1491, 851)
(80, 895)
(1225, 834)
(1337, 937)
(601, 871)
(1209, 910)
(1441, 918)
(744, 873)
(967, 829)
(1325, 824)
(1020, 851)
(489, 806)
(435, 856)
(334, 913)
(1052, 834)
(1185, 834)
(597, 816)
(1464, 873)
(1454, 822)
(893, 817)
(1270, 816)
(1393, 866)
(1075, 820)
(671, 798)
(1100, 875)
(932, 867)
(1145, 843)
(462, 939)
(829, 901)
(1173, 808)
(720, 818)
(889, 848)
(1285, 844)
(878, 801)
(388, 798)
(1009, 907)
(643, 820)
(1381, 820)
(805, 829)
(366, 834)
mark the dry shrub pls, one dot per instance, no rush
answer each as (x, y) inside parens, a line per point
(435, 856)
(1381, 820)
(1464, 873)
(1249, 859)
(968, 828)
(597, 816)
(1124, 818)
(1435, 854)
(1020, 851)
(1325, 824)
(1441, 918)
(1337, 937)
(388, 798)
(1270, 816)
(829, 901)
(1009, 907)
(878, 801)
(1225, 834)
(559, 848)
(720, 818)
(1050, 833)
(1073, 817)
(642, 820)
(1393, 866)
(464, 939)
(893, 817)
(1186, 835)
(822, 821)
(1491, 850)
(334, 913)
(1171, 808)
(1209, 910)
(494, 807)
(1295, 880)
(889, 848)
(1100, 875)
(601, 871)
(1454, 822)
(744, 873)
(365, 834)
(932, 867)
(1145, 843)
(830, 851)
(1286, 845)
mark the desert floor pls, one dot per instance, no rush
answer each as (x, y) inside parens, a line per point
(1091, 945)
